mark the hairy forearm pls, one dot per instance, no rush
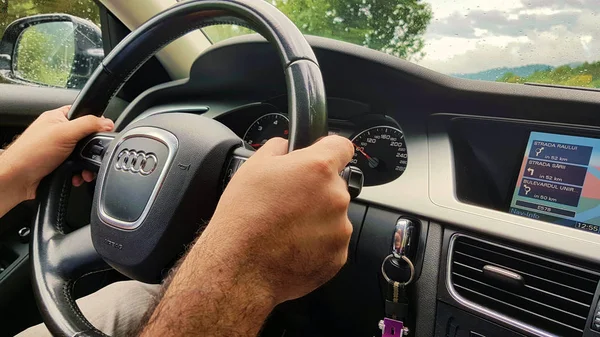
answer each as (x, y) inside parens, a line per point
(210, 298)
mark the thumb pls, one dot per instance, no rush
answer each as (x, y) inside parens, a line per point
(274, 147)
(81, 127)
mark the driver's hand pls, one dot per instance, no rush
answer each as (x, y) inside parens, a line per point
(282, 220)
(46, 143)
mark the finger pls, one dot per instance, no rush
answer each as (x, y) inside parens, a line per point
(64, 110)
(88, 176)
(338, 150)
(57, 114)
(81, 127)
(77, 180)
(274, 147)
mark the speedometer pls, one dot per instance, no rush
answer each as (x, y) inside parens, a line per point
(266, 127)
(380, 152)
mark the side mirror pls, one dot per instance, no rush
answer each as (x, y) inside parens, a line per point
(56, 50)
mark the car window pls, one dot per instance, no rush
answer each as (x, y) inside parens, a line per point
(58, 50)
(551, 42)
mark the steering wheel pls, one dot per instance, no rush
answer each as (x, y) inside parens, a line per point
(160, 177)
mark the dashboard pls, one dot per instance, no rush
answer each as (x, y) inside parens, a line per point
(558, 180)
(380, 149)
(499, 179)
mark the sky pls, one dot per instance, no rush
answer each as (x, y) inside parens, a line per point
(467, 36)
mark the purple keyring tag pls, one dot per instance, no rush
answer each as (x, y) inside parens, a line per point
(392, 328)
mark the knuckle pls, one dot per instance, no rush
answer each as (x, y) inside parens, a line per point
(343, 235)
(348, 229)
(339, 237)
(322, 166)
(340, 199)
(99, 122)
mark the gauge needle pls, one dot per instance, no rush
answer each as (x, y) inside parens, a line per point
(256, 146)
(361, 151)
(373, 162)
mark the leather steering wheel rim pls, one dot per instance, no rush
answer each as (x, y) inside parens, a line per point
(60, 258)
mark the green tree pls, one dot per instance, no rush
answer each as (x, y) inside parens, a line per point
(11, 10)
(395, 27)
(33, 45)
(510, 78)
(585, 75)
(392, 26)
(45, 54)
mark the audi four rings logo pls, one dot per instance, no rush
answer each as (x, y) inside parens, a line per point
(136, 162)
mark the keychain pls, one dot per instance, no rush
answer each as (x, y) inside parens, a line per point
(396, 305)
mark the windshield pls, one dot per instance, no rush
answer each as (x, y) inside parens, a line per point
(514, 41)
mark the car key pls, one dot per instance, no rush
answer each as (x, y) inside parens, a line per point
(396, 302)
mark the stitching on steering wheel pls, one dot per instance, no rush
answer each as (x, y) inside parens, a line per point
(69, 284)
(62, 207)
(67, 292)
(67, 289)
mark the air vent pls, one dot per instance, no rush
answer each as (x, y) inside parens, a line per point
(545, 296)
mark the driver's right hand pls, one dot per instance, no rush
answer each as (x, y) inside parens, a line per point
(282, 221)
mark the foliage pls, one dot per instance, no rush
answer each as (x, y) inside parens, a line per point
(392, 26)
(222, 32)
(585, 75)
(11, 10)
(45, 54)
(16, 9)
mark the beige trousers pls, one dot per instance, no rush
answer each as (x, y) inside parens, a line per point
(115, 310)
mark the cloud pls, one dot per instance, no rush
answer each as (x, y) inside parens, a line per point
(562, 4)
(445, 8)
(552, 32)
(498, 23)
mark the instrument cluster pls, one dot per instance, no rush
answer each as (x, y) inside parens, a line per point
(380, 150)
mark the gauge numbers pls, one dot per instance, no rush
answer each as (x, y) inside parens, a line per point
(380, 152)
(266, 127)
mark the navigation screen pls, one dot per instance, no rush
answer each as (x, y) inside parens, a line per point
(559, 181)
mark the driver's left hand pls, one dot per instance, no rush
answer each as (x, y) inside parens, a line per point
(46, 143)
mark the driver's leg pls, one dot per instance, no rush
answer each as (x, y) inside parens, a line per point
(116, 310)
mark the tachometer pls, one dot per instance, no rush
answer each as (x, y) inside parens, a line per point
(266, 127)
(380, 152)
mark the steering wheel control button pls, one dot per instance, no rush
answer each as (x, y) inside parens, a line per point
(132, 178)
(232, 167)
(354, 179)
(92, 152)
(95, 148)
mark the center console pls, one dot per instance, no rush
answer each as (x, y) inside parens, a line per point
(547, 173)
(499, 286)
(559, 181)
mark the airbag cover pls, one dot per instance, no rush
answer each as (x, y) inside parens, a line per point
(132, 178)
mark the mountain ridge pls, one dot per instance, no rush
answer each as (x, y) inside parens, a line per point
(495, 74)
